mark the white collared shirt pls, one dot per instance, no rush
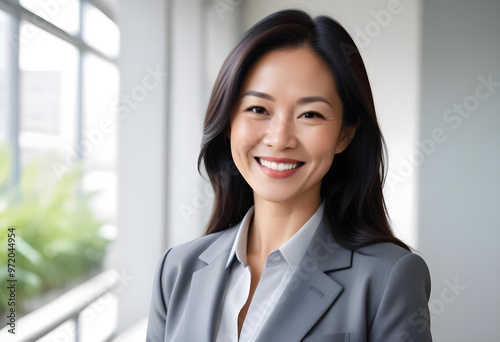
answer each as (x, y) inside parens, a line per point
(280, 266)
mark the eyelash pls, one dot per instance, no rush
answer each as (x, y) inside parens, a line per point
(254, 108)
(317, 115)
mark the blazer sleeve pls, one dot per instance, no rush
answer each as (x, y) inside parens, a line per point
(403, 312)
(159, 304)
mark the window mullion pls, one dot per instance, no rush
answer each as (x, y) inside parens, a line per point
(14, 73)
(79, 101)
(23, 14)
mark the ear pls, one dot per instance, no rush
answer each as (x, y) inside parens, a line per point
(346, 135)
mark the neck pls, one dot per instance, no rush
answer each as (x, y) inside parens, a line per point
(274, 224)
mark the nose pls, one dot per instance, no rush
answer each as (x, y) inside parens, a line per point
(280, 133)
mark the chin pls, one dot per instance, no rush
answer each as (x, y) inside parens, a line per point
(274, 199)
(274, 196)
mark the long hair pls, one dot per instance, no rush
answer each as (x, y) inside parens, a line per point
(352, 188)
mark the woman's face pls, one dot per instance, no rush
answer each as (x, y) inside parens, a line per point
(286, 126)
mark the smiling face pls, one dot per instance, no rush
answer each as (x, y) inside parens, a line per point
(286, 126)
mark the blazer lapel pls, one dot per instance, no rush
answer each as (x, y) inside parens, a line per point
(206, 290)
(310, 291)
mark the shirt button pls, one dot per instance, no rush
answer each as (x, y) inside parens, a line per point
(277, 257)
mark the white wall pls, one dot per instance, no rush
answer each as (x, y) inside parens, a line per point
(141, 152)
(201, 37)
(163, 201)
(388, 34)
(459, 184)
(185, 120)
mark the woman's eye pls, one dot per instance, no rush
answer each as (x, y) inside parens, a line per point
(258, 110)
(312, 115)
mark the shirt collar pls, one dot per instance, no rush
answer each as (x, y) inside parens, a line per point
(240, 242)
(293, 250)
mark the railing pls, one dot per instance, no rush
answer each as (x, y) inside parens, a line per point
(68, 307)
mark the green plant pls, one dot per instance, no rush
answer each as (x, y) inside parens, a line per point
(57, 234)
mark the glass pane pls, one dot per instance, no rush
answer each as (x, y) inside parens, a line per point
(62, 233)
(100, 31)
(100, 94)
(48, 97)
(64, 14)
(4, 89)
(5, 109)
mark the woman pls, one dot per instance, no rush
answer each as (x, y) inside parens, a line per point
(298, 247)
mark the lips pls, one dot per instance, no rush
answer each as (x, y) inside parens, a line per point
(279, 167)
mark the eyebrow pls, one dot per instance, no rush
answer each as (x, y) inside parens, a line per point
(307, 99)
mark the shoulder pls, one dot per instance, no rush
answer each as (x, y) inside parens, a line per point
(383, 264)
(386, 258)
(177, 264)
(193, 248)
(190, 256)
(387, 270)
(400, 286)
(395, 286)
(190, 252)
(393, 274)
(173, 276)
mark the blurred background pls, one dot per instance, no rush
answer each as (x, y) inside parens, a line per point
(101, 111)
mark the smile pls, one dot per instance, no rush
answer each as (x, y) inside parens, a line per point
(279, 167)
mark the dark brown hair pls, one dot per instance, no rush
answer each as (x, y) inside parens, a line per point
(352, 188)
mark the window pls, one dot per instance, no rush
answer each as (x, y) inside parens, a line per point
(5, 23)
(48, 69)
(64, 14)
(58, 88)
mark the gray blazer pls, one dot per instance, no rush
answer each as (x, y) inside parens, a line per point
(379, 293)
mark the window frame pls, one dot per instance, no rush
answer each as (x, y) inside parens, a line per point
(17, 14)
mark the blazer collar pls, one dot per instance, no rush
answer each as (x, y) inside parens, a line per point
(220, 246)
(310, 290)
(206, 290)
(328, 254)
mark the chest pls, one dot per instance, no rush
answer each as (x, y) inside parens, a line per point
(256, 264)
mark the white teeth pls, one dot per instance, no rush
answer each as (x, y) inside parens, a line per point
(277, 166)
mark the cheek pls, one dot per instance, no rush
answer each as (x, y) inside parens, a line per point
(323, 155)
(321, 146)
(244, 136)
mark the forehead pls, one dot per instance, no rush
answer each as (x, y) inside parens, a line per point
(293, 69)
